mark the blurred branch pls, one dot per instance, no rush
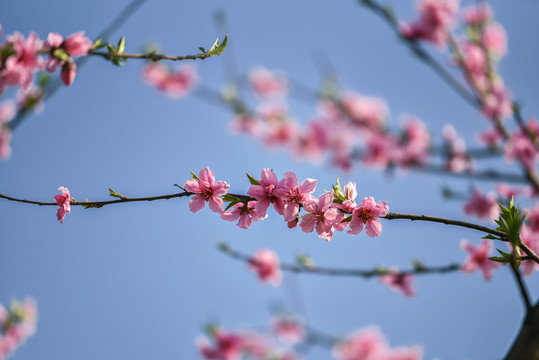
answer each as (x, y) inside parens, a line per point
(387, 15)
(420, 270)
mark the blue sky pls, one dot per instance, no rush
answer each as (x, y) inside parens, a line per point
(141, 280)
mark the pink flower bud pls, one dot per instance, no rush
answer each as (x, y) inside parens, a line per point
(69, 70)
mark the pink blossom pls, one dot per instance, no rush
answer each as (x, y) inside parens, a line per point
(17, 324)
(365, 112)
(475, 15)
(175, 84)
(436, 17)
(255, 345)
(289, 328)
(321, 215)
(206, 190)
(266, 264)
(497, 104)
(69, 70)
(267, 84)
(246, 213)
(294, 196)
(381, 150)
(64, 202)
(532, 217)
(77, 45)
(495, 39)
(7, 111)
(508, 192)
(482, 206)
(365, 344)
(367, 213)
(228, 346)
(266, 194)
(416, 143)
(19, 68)
(478, 258)
(399, 282)
(521, 147)
(54, 40)
(491, 138)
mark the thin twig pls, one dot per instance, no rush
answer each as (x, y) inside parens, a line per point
(154, 57)
(394, 216)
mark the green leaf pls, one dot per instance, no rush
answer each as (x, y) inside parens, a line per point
(87, 206)
(61, 54)
(504, 254)
(121, 45)
(111, 48)
(214, 46)
(348, 219)
(217, 49)
(499, 259)
(202, 49)
(252, 180)
(194, 176)
(98, 44)
(228, 197)
(232, 203)
(115, 194)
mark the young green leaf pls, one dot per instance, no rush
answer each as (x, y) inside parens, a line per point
(217, 49)
(115, 194)
(121, 45)
(252, 180)
(194, 176)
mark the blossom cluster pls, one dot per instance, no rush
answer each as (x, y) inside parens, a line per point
(477, 50)
(17, 323)
(174, 83)
(21, 58)
(335, 210)
(364, 344)
(254, 345)
(369, 343)
(343, 124)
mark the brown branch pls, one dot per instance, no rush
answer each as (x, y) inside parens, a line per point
(393, 216)
(153, 57)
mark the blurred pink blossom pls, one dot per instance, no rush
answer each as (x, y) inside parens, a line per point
(482, 206)
(436, 17)
(175, 84)
(288, 328)
(267, 84)
(7, 111)
(266, 264)
(478, 258)
(401, 283)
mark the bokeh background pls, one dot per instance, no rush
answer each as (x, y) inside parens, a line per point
(141, 280)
